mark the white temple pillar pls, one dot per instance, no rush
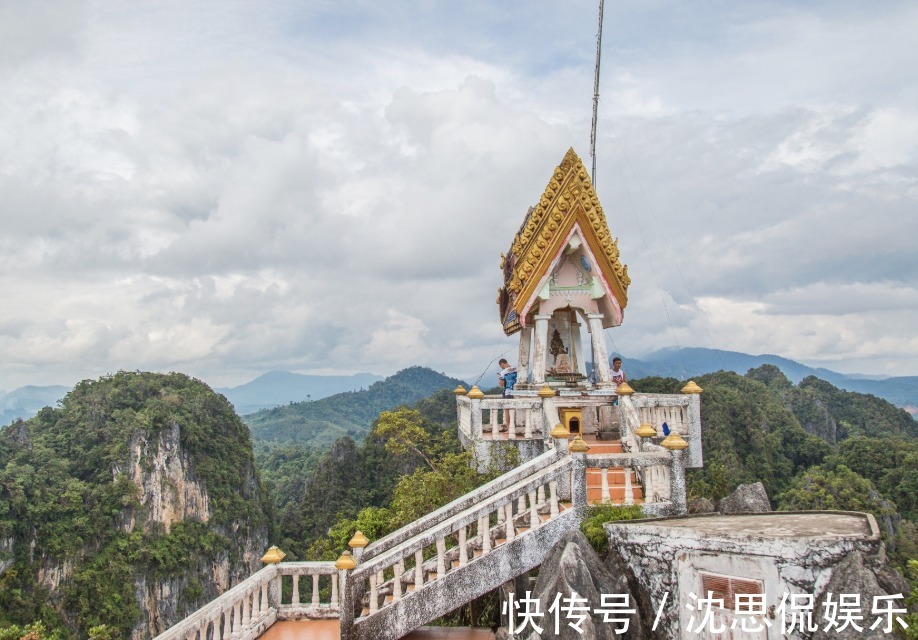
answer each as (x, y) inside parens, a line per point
(540, 350)
(577, 346)
(600, 355)
(522, 363)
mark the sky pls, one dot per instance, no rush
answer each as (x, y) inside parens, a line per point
(228, 188)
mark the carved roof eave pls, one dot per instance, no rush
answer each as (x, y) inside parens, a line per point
(569, 198)
(611, 319)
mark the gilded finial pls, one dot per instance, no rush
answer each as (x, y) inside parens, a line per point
(345, 562)
(577, 445)
(645, 431)
(459, 390)
(546, 392)
(691, 388)
(273, 556)
(560, 432)
(476, 393)
(674, 442)
(624, 389)
(359, 541)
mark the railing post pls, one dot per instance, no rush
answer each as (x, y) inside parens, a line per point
(237, 618)
(397, 580)
(606, 495)
(578, 483)
(677, 482)
(295, 591)
(441, 557)
(648, 484)
(418, 569)
(315, 589)
(463, 547)
(246, 610)
(533, 511)
(484, 529)
(629, 493)
(475, 409)
(334, 589)
(553, 488)
(374, 594)
(346, 616)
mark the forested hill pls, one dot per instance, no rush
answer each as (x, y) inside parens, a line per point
(320, 422)
(812, 445)
(130, 505)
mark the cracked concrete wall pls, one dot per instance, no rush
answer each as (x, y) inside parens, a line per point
(667, 555)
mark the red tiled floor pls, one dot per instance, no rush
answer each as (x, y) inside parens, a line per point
(329, 630)
(303, 630)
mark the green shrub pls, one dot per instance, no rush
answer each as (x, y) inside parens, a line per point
(598, 515)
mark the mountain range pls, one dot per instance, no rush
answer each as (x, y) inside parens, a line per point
(25, 402)
(319, 423)
(902, 391)
(277, 388)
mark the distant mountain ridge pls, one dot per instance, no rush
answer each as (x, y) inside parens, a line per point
(319, 423)
(275, 388)
(25, 402)
(902, 391)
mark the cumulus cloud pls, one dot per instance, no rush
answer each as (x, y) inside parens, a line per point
(225, 189)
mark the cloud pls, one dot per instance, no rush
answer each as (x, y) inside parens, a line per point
(226, 189)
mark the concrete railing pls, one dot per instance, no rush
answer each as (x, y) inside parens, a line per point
(242, 613)
(681, 413)
(314, 590)
(449, 511)
(407, 567)
(480, 416)
(654, 474)
(248, 609)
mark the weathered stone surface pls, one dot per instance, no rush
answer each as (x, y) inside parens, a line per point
(571, 567)
(787, 552)
(747, 498)
(856, 573)
(701, 505)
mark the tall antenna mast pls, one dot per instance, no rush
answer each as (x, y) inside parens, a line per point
(596, 95)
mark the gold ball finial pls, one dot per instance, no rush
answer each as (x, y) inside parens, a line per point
(273, 556)
(476, 393)
(345, 562)
(546, 392)
(645, 431)
(674, 442)
(577, 445)
(624, 389)
(359, 541)
(460, 390)
(691, 388)
(560, 432)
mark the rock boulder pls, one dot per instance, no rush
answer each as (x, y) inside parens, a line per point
(571, 567)
(747, 498)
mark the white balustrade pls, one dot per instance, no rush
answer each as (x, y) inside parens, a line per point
(432, 542)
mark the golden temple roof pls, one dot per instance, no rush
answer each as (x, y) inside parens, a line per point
(568, 199)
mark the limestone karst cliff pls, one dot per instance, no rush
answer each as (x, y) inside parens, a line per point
(130, 505)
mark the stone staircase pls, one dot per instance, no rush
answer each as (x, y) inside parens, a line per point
(394, 586)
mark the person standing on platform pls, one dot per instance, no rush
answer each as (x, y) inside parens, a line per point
(618, 374)
(506, 378)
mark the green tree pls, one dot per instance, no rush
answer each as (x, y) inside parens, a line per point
(837, 489)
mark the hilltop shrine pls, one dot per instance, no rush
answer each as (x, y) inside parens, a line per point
(566, 438)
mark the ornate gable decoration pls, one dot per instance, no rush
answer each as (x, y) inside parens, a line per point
(569, 198)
